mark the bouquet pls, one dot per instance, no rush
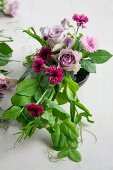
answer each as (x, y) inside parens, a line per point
(9, 7)
(50, 80)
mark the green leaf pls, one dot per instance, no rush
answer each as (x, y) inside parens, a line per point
(5, 49)
(47, 115)
(74, 155)
(78, 118)
(72, 143)
(82, 107)
(18, 100)
(55, 136)
(38, 94)
(31, 32)
(63, 153)
(88, 66)
(27, 87)
(72, 85)
(12, 113)
(61, 98)
(69, 129)
(100, 56)
(62, 141)
(25, 74)
(72, 126)
(57, 110)
(69, 94)
(5, 53)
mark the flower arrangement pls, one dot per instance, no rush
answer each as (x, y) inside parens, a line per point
(9, 7)
(49, 82)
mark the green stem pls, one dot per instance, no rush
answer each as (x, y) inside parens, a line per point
(72, 111)
(3, 41)
(77, 31)
(42, 97)
(5, 59)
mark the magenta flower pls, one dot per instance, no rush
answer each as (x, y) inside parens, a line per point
(38, 65)
(80, 19)
(45, 54)
(10, 7)
(55, 74)
(34, 109)
(68, 41)
(89, 44)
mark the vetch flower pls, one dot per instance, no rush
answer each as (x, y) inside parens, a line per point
(38, 65)
(53, 35)
(80, 19)
(68, 41)
(55, 74)
(10, 7)
(34, 109)
(45, 54)
(89, 44)
(69, 60)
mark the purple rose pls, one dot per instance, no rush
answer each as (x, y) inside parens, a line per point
(54, 35)
(69, 60)
(10, 7)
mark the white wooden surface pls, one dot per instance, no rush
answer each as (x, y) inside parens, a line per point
(97, 93)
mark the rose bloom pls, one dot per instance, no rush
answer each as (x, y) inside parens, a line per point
(69, 60)
(10, 7)
(89, 44)
(54, 35)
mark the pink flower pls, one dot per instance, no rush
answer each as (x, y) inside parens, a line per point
(45, 54)
(38, 65)
(34, 109)
(89, 44)
(80, 19)
(55, 74)
(69, 60)
(10, 7)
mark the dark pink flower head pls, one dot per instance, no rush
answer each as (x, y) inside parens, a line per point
(34, 109)
(45, 54)
(80, 19)
(55, 74)
(38, 65)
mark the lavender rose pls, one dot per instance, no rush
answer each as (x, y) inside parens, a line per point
(10, 7)
(69, 60)
(54, 35)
